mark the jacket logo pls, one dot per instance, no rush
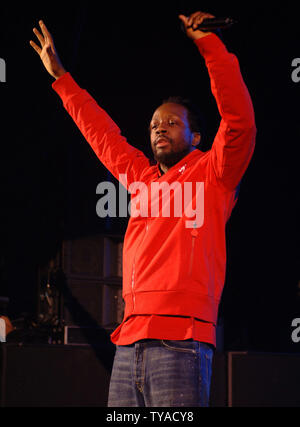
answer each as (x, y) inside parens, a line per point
(181, 170)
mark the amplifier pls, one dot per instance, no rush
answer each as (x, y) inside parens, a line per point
(81, 335)
(54, 375)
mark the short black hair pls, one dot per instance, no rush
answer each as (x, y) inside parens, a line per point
(195, 115)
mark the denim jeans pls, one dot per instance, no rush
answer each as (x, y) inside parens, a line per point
(161, 373)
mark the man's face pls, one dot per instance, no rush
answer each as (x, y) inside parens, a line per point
(170, 134)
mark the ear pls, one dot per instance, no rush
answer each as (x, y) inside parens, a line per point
(196, 139)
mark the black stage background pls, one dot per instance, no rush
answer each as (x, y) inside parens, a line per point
(130, 56)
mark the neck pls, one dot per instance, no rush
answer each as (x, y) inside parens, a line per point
(165, 166)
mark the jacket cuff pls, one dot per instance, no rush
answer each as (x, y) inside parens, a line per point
(210, 45)
(65, 85)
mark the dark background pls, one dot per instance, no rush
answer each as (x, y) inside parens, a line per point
(130, 56)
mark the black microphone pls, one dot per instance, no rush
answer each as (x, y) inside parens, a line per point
(212, 24)
(215, 24)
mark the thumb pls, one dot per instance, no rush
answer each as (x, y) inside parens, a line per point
(183, 18)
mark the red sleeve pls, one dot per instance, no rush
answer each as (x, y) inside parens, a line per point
(234, 143)
(100, 131)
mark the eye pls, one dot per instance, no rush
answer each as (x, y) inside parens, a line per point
(172, 122)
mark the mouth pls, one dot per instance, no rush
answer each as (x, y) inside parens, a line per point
(162, 142)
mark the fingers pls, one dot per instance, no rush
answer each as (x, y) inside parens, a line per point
(35, 47)
(45, 38)
(197, 18)
(45, 32)
(39, 36)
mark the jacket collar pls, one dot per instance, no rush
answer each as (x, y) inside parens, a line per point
(180, 165)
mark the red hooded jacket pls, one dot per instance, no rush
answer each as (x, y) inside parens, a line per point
(175, 265)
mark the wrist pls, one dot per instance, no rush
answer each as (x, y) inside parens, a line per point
(59, 73)
(201, 35)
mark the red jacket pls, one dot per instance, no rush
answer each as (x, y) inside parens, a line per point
(170, 269)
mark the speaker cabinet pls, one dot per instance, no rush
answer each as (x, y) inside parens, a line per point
(263, 380)
(54, 376)
(242, 379)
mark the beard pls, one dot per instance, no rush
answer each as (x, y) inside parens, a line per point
(170, 158)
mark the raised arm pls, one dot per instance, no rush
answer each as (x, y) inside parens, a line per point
(47, 52)
(234, 143)
(97, 127)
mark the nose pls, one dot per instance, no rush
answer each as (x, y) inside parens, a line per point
(161, 129)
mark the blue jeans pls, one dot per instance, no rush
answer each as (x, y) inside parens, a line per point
(161, 373)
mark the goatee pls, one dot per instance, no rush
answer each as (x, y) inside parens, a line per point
(170, 159)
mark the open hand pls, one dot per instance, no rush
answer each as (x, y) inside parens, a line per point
(47, 52)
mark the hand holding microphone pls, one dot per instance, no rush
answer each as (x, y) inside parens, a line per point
(201, 24)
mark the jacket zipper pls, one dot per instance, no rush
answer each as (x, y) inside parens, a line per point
(133, 270)
(132, 285)
(194, 234)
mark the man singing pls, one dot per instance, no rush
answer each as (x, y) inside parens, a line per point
(174, 267)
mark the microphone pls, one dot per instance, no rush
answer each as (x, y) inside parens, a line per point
(213, 24)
